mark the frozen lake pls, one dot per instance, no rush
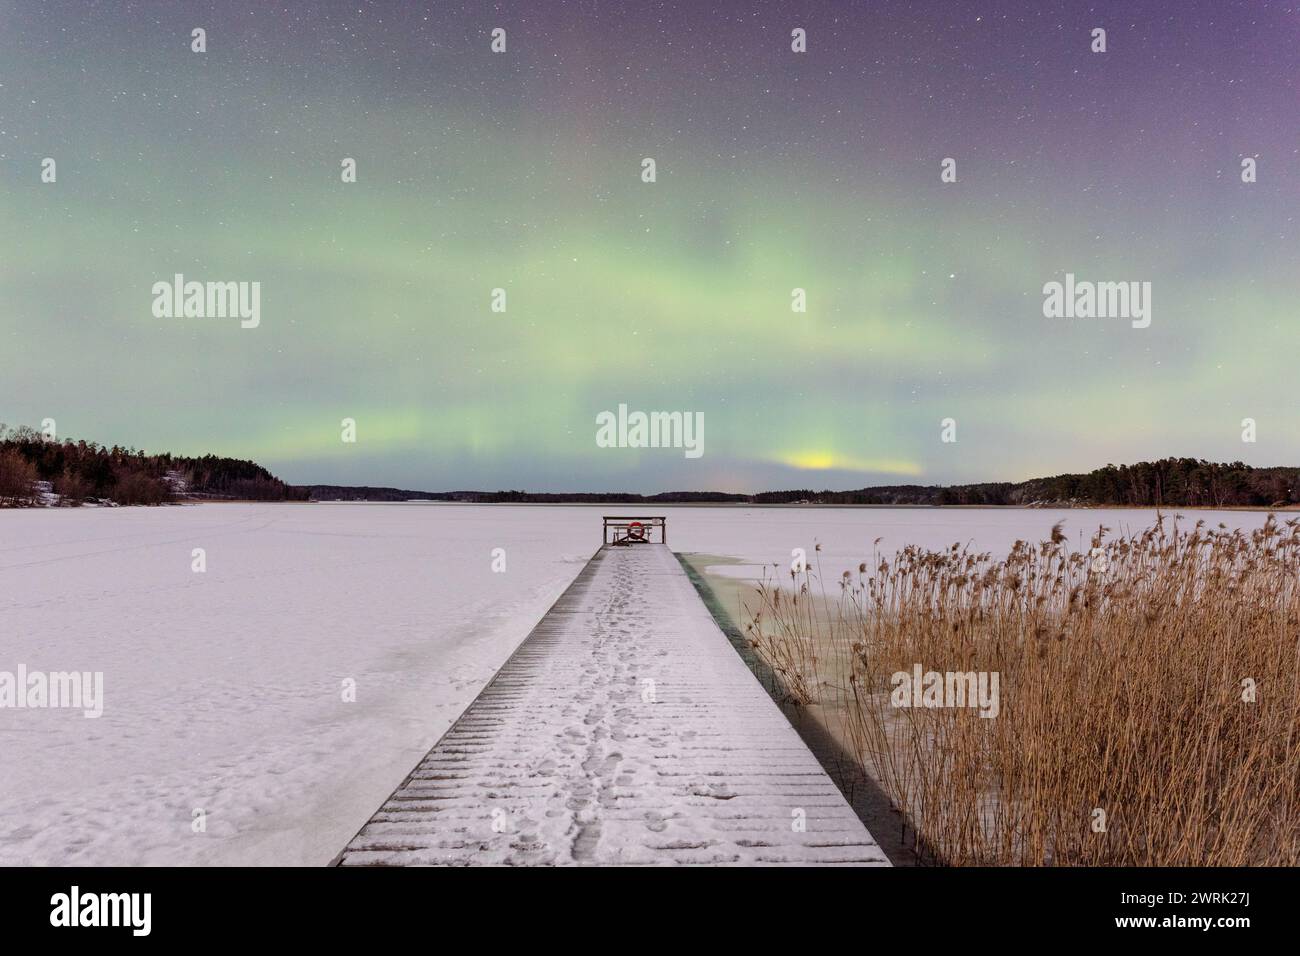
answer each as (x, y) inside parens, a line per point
(224, 691)
(758, 536)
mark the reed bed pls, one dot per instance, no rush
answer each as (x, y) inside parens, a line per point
(1148, 693)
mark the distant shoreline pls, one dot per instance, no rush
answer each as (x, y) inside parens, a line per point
(39, 471)
(777, 507)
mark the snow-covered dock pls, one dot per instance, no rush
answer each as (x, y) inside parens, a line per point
(624, 730)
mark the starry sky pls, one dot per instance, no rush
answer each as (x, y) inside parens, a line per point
(775, 170)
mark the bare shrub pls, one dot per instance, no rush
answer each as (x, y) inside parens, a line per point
(16, 477)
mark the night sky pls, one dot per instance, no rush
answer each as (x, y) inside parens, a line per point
(775, 170)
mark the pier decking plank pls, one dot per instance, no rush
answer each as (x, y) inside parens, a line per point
(624, 730)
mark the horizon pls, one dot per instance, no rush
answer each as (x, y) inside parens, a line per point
(783, 180)
(509, 488)
(809, 488)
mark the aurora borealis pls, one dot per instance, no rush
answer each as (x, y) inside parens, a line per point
(775, 170)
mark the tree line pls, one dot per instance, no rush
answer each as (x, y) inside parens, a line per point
(80, 471)
(1169, 482)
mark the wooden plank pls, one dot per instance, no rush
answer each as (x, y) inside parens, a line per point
(624, 730)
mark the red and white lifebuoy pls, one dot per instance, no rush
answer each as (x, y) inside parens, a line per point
(636, 531)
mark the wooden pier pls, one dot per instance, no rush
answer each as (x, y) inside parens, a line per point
(624, 730)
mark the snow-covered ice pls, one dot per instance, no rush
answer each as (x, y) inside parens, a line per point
(224, 690)
(761, 537)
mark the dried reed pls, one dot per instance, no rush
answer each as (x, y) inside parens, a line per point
(1149, 707)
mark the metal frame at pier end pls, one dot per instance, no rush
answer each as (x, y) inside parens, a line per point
(633, 529)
